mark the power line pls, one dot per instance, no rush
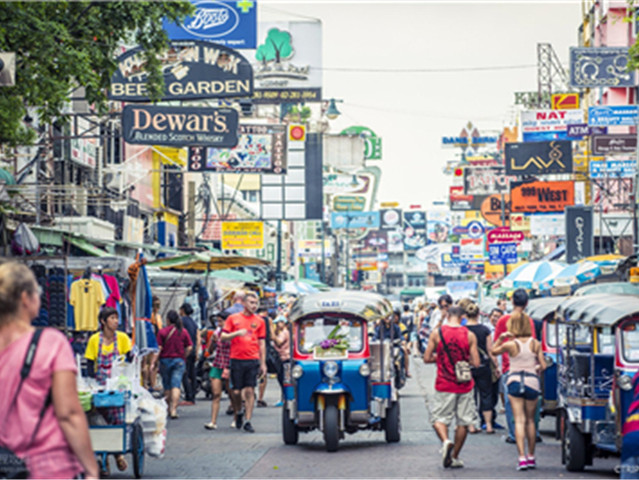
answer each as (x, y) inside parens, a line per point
(426, 70)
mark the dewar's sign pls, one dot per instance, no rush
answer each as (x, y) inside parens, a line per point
(180, 126)
(192, 69)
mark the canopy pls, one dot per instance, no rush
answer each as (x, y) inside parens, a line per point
(531, 275)
(574, 274)
(204, 261)
(539, 308)
(235, 275)
(315, 283)
(298, 288)
(601, 310)
(87, 247)
(367, 305)
(617, 288)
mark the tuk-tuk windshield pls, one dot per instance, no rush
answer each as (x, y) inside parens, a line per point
(582, 335)
(629, 342)
(313, 332)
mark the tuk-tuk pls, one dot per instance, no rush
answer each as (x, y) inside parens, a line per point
(338, 381)
(597, 357)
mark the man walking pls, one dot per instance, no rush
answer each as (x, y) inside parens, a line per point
(247, 333)
(189, 380)
(448, 345)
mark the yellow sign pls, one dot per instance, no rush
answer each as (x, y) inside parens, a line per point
(389, 204)
(242, 235)
(565, 101)
(634, 275)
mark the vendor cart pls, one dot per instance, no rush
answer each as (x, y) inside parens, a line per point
(123, 432)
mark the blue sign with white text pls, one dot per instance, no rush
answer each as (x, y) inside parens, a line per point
(613, 169)
(610, 115)
(229, 23)
(355, 220)
(502, 253)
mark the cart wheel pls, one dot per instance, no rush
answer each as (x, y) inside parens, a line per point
(331, 428)
(392, 423)
(289, 430)
(138, 450)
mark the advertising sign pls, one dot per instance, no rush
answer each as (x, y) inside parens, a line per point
(505, 235)
(376, 241)
(580, 130)
(547, 224)
(600, 67)
(225, 22)
(471, 250)
(520, 222)
(416, 219)
(390, 218)
(613, 169)
(260, 149)
(288, 62)
(565, 101)
(460, 201)
(621, 143)
(539, 125)
(355, 220)
(469, 137)
(192, 70)
(502, 253)
(180, 126)
(240, 235)
(580, 239)
(485, 180)
(372, 143)
(414, 230)
(395, 241)
(538, 158)
(438, 226)
(612, 115)
(542, 197)
(491, 210)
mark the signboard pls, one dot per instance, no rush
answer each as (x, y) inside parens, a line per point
(438, 226)
(192, 70)
(260, 149)
(390, 219)
(241, 235)
(505, 235)
(612, 115)
(600, 67)
(180, 126)
(414, 230)
(468, 137)
(547, 224)
(416, 219)
(491, 209)
(580, 130)
(520, 222)
(372, 143)
(579, 233)
(542, 197)
(502, 253)
(472, 250)
(565, 101)
(538, 158)
(485, 180)
(225, 22)
(539, 125)
(395, 241)
(613, 169)
(376, 240)
(355, 220)
(621, 143)
(460, 201)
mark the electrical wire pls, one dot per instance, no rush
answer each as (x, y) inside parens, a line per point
(492, 68)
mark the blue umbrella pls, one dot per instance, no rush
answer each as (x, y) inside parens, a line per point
(531, 275)
(574, 274)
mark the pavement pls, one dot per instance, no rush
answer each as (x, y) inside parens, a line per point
(193, 452)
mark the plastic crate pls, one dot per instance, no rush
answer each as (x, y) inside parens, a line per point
(110, 398)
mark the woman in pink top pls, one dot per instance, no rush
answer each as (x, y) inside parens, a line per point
(60, 446)
(526, 362)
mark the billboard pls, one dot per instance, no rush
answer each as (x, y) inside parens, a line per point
(260, 149)
(600, 67)
(579, 233)
(538, 158)
(390, 218)
(540, 125)
(485, 180)
(620, 143)
(541, 197)
(241, 235)
(192, 70)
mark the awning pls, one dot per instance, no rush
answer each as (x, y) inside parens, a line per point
(233, 275)
(87, 247)
(315, 283)
(204, 261)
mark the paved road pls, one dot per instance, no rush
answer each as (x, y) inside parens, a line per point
(193, 452)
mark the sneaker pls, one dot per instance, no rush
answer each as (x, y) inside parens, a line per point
(210, 426)
(249, 428)
(239, 420)
(233, 424)
(456, 463)
(523, 464)
(279, 404)
(531, 463)
(447, 451)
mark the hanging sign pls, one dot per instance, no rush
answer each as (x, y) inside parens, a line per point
(241, 235)
(502, 253)
(620, 143)
(579, 233)
(612, 115)
(485, 180)
(565, 101)
(592, 67)
(538, 158)
(542, 196)
(505, 235)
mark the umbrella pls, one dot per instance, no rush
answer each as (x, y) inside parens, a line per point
(298, 288)
(574, 274)
(607, 262)
(145, 340)
(315, 283)
(531, 275)
(618, 288)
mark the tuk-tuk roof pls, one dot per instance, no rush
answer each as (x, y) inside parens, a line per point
(369, 306)
(602, 310)
(539, 308)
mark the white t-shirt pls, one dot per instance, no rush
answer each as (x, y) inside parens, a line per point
(435, 318)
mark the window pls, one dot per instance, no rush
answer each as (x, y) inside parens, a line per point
(629, 342)
(313, 331)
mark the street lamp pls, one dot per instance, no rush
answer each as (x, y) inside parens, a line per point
(331, 111)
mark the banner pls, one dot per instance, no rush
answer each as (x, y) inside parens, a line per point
(395, 241)
(538, 158)
(539, 125)
(240, 235)
(485, 180)
(542, 197)
(621, 143)
(390, 219)
(592, 67)
(579, 233)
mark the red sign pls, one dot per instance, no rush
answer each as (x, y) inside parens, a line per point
(504, 235)
(565, 101)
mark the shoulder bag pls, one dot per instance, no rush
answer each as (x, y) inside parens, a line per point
(494, 369)
(12, 466)
(462, 367)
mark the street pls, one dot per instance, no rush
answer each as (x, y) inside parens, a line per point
(193, 452)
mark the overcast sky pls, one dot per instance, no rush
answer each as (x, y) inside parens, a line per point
(412, 111)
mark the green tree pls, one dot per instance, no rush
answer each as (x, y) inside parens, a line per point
(62, 45)
(276, 47)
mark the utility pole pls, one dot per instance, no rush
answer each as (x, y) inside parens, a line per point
(191, 215)
(278, 253)
(503, 224)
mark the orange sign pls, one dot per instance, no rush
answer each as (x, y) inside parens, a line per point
(565, 101)
(491, 210)
(542, 196)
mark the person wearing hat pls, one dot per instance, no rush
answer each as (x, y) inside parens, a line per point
(282, 343)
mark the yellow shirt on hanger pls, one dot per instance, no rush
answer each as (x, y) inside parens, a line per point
(86, 298)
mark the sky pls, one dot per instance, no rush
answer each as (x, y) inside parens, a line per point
(381, 42)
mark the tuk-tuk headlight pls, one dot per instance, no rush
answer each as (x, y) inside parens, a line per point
(297, 371)
(549, 361)
(364, 370)
(330, 369)
(624, 382)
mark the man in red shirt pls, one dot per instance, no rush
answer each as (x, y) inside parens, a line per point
(520, 301)
(247, 332)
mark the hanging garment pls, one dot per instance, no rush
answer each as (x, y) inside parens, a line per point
(114, 297)
(86, 299)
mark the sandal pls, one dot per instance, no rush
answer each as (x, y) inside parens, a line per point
(121, 463)
(262, 403)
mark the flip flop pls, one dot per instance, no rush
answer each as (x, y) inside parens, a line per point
(490, 432)
(121, 463)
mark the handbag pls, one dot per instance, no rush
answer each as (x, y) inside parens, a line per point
(462, 367)
(12, 466)
(494, 369)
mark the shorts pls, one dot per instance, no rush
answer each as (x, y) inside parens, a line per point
(445, 406)
(413, 337)
(244, 373)
(216, 372)
(172, 371)
(514, 390)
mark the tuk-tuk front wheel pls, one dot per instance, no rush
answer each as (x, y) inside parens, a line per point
(574, 444)
(289, 430)
(392, 423)
(331, 427)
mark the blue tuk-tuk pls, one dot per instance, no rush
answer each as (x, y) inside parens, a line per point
(597, 357)
(338, 381)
